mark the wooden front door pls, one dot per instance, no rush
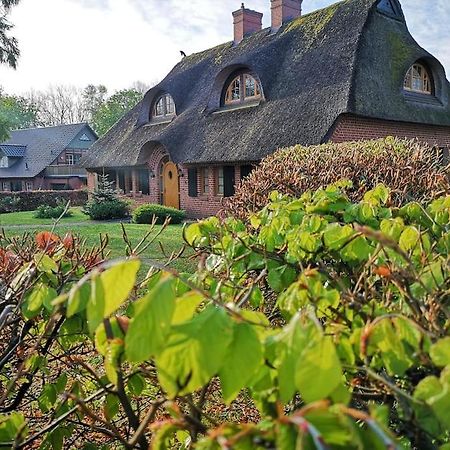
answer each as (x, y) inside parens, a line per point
(171, 187)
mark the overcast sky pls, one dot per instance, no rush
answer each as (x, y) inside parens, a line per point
(118, 42)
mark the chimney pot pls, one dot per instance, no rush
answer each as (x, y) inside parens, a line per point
(246, 21)
(284, 11)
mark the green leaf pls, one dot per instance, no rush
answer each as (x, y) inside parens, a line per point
(195, 352)
(47, 398)
(336, 236)
(290, 343)
(136, 384)
(118, 281)
(11, 425)
(78, 299)
(45, 264)
(186, 306)
(409, 239)
(150, 326)
(244, 357)
(114, 350)
(440, 352)
(111, 406)
(281, 277)
(40, 294)
(318, 372)
(96, 305)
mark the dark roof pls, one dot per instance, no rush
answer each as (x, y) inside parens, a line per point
(347, 58)
(13, 151)
(43, 146)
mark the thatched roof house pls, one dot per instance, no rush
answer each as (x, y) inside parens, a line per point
(349, 71)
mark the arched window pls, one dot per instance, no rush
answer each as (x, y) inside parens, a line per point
(242, 88)
(164, 106)
(418, 80)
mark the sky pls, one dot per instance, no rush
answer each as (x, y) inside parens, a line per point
(119, 42)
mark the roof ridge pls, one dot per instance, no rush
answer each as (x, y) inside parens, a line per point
(52, 126)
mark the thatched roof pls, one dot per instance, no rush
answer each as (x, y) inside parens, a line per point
(347, 58)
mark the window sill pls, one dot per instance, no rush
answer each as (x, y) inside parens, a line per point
(417, 97)
(155, 122)
(240, 107)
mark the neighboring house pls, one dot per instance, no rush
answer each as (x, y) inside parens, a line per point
(347, 72)
(45, 158)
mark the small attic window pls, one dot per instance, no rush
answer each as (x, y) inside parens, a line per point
(243, 87)
(164, 106)
(85, 138)
(418, 80)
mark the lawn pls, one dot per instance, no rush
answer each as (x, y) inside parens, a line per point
(171, 239)
(27, 218)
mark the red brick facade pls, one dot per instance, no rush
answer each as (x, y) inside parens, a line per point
(354, 128)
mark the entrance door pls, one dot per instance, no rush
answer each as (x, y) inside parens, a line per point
(171, 189)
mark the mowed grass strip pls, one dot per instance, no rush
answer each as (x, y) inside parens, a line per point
(168, 242)
(27, 218)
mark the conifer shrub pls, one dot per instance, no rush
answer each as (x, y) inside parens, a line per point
(105, 204)
(412, 171)
(147, 213)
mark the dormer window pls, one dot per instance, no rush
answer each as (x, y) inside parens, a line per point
(418, 80)
(242, 88)
(164, 107)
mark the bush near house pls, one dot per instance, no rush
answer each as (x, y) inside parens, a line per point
(411, 170)
(29, 201)
(104, 203)
(52, 212)
(147, 213)
(353, 354)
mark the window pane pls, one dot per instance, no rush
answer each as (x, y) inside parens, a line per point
(170, 105)
(250, 86)
(220, 184)
(204, 180)
(159, 109)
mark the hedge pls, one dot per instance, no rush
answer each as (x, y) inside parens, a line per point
(30, 201)
(411, 170)
(145, 213)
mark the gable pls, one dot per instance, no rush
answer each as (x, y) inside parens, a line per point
(83, 140)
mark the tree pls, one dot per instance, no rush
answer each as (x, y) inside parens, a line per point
(115, 108)
(17, 112)
(93, 98)
(59, 105)
(9, 50)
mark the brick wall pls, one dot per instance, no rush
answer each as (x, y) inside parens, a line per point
(203, 205)
(353, 128)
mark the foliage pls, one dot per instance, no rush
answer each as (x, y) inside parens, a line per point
(353, 354)
(105, 203)
(411, 170)
(30, 200)
(108, 210)
(160, 213)
(8, 204)
(9, 51)
(52, 212)
(15, 113)
(114, 109)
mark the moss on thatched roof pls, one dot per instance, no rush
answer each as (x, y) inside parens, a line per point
(347, 58)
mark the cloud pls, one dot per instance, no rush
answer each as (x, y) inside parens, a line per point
(116, 42)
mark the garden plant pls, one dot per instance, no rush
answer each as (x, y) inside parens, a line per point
(319, 323)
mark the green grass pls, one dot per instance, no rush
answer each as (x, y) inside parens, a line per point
(171, 239)
(27, 218)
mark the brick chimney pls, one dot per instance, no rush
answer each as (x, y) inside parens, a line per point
(284, 10)
(246, 21)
